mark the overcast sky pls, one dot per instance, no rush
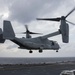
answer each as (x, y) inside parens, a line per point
(21, 12)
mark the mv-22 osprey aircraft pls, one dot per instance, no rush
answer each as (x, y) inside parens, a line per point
(38, 43)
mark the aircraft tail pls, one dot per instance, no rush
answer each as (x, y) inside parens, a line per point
(8, 32)
(1, 36)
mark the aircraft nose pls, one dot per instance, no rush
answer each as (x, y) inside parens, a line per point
(58, 45)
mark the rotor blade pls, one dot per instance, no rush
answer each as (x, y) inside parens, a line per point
(70, 22)
(26, 26)
(70, 12)
(34, 33)
(21, 33)
(49, 19)
(29, 33)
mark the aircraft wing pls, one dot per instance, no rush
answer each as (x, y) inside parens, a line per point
(51, 34)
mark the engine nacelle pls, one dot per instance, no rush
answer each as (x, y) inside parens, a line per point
(64, 28)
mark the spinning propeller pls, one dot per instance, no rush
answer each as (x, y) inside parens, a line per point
(59, 18)
(28, 32)
(64, 27)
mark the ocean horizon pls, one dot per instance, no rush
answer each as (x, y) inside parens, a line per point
(18, 60)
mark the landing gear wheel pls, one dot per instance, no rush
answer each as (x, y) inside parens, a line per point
(30, 51)
(40, 51)
(56, 50)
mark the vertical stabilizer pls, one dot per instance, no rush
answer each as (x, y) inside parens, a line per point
(8, 32)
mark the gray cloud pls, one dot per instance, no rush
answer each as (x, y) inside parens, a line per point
(11, 46)
(27, 10)
(5, 4)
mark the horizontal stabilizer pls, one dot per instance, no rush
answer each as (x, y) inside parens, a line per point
(8, 32)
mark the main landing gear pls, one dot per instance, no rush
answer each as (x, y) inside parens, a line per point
(30, 51)
(56, 50)
(40, 51)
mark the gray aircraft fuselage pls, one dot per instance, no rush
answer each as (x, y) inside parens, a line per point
(36, 43)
